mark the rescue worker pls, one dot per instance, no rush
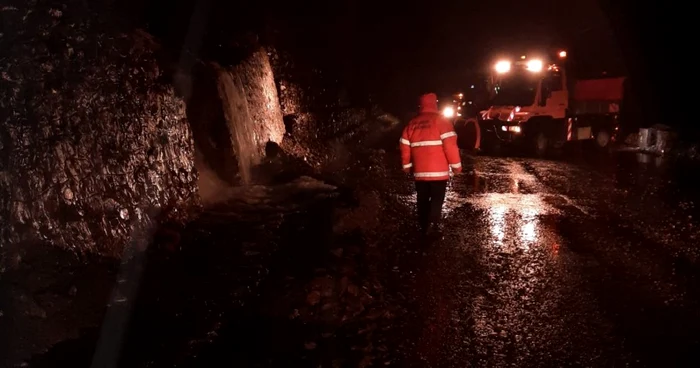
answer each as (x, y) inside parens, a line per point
(429, 150)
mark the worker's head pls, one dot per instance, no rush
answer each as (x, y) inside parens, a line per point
(428, 103)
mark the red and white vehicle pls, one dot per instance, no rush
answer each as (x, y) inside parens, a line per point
(536, 103)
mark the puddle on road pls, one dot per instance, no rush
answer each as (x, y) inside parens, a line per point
(522, 204)
(504, 189)
(453, 200)
(511, 293)
(501, 182)
(520, 256)
(408, 199)
(517, 214)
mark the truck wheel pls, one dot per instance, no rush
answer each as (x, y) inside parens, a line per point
(541, 144)
(602, 139)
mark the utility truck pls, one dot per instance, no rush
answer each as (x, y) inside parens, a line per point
(536, 104)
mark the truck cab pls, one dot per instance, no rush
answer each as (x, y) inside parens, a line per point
(532, 103)
(524, 93)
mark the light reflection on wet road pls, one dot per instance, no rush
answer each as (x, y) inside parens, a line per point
(543, 264)
(539, 267)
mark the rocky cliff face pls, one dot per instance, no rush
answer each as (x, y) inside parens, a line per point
(93, 146)
(322, 123)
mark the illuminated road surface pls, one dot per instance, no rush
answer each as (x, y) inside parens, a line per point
(543, 264)
(550, 264)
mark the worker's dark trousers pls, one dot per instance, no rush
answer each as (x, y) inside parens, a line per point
(431, 195)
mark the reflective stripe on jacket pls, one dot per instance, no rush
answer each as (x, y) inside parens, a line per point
(429, 144)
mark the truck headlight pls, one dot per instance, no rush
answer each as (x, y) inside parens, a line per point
(448, 112)
(502, 66)
(535, 65)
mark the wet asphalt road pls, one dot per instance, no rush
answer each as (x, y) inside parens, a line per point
(590, 261)
(550, 263)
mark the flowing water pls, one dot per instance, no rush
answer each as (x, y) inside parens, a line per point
(240, 123)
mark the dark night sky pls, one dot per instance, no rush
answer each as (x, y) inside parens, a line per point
(412, 46)
(433, 35)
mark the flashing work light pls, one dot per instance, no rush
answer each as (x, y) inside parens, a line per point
(502, 66)
(535, 65)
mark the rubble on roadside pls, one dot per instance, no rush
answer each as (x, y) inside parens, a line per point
(661, 140)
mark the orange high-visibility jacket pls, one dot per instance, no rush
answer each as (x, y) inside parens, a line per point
(429, 144)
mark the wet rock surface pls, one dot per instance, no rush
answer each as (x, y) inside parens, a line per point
(322, 126)
(251, 111)
(76, 171)
(261, 92)
(235, 114)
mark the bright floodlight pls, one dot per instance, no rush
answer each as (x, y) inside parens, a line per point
(503, 66)
(448, 112)
(534, 65)
(562, 54)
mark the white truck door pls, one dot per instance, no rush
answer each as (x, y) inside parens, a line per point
(558, 99)
(557, 104)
